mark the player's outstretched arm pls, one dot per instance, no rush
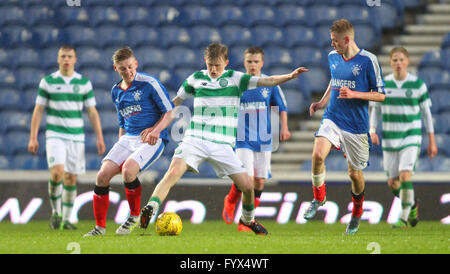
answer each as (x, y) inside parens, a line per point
(274, 80)
(322, 103)
(346, 93)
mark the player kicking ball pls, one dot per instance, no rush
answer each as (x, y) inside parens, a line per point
(211, 134)
(144, 111)
(356, 79)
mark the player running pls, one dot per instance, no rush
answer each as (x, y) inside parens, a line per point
(254, 141)
(144, 111)
(211, 135)
(406, 102)
(355, 80)
(63, 94)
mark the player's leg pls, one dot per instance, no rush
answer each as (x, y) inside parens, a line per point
(242, 181)
(176, 170)
(321, 148)
(101, 196)
(68, 198)
(55, 190)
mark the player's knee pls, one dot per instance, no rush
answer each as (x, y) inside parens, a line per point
(318, 158)
(102, 178)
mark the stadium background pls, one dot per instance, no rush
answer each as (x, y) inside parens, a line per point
(168, 38)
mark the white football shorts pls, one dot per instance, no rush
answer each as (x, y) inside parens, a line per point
(355, 146)
(67, 153)
(396, 161)
(194, 151)
(257, 163)
(132, 147)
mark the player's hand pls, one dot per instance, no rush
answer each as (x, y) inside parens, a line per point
(314, 107)
(285, 134)
(432, 150)
(149, 136)
(33, 146)
(346, 93)
(297, 72)
(375, 139)
(100, 147)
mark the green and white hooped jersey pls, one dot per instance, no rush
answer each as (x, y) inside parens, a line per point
(64, 98)
(401, 112)
(216, 104)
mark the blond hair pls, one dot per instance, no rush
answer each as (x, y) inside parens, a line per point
(215, 51)
(122, 54)
(399, 49)
(343, 26)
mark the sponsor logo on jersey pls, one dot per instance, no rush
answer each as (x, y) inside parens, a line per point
(130, 111)
(343, 83)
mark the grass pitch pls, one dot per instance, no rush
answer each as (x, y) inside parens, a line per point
(216, 237)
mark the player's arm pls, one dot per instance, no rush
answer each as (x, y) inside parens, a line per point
(177, 101)
(285, 134)
(375, 111)
(36, 118)
(274, 80)
(151, 135)
(323, 101)
(346, 93)
(94, 118)
(428, 122)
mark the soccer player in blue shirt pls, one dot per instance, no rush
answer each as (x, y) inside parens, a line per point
(254, 137)
(356, 79)
(144, 111)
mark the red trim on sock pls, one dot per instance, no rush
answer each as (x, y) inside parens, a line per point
(234, 194)
(134, 200)
(101, 204)
(257, 201)
(319, 192)
(357, 207)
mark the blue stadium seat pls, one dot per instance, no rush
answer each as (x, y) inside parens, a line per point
(90, 141)
(70, 16)
(423, 164)
(431, 59)
(40, 14)
(236, 56)
(91, 57)
(235, 35)
(103, 100)
(441, 164)
(442, 144)
(440, 80)
(28, 77)
(204, 35)
(162, 15)
(375, 163)
(317, 78)
(143, 36)
(49, 58)
(175, 36)
(306, 166)
(28, 162)
(319, 15)
(268, 36)
(10, 99)
(99, 78)
(278, 56)
(299, 36)
(170, 147)
(165, 76)
(183, 57)
(429, 74)
(12, 15)
(102, 15)
(392, 16)
(260, 15)
(19, 36)
(26, 57)
(17, 142)
(110, 122)
(82, 36)
(5, 60)
(358, 14)
(291, 15)
(108, 35)
(152, 56)
(296, 103)
(445, 60)
(50, 35)
(445, 119)
(134, 15)
(227, 15)
(93, 161)
(7, 78)
(4, 162)
(366, 37)
(323, 39)
(446, 41)
(309, 56)
(28, 99)
(310, 3)
(197, 15)
(336, 162)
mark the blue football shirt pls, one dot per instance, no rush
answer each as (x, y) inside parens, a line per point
(254, 124)
(141, 105)
(360, 73)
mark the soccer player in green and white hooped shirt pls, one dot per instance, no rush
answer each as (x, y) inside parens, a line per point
(63, 94)
(406, 102)
(211, 134)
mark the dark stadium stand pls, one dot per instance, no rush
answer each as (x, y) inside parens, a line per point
(169, 37)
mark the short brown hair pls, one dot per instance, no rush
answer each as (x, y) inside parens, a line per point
(68, 47)
(399, 49)
(342, 26)
(122, 54)
(254, 50)
(216, 50)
